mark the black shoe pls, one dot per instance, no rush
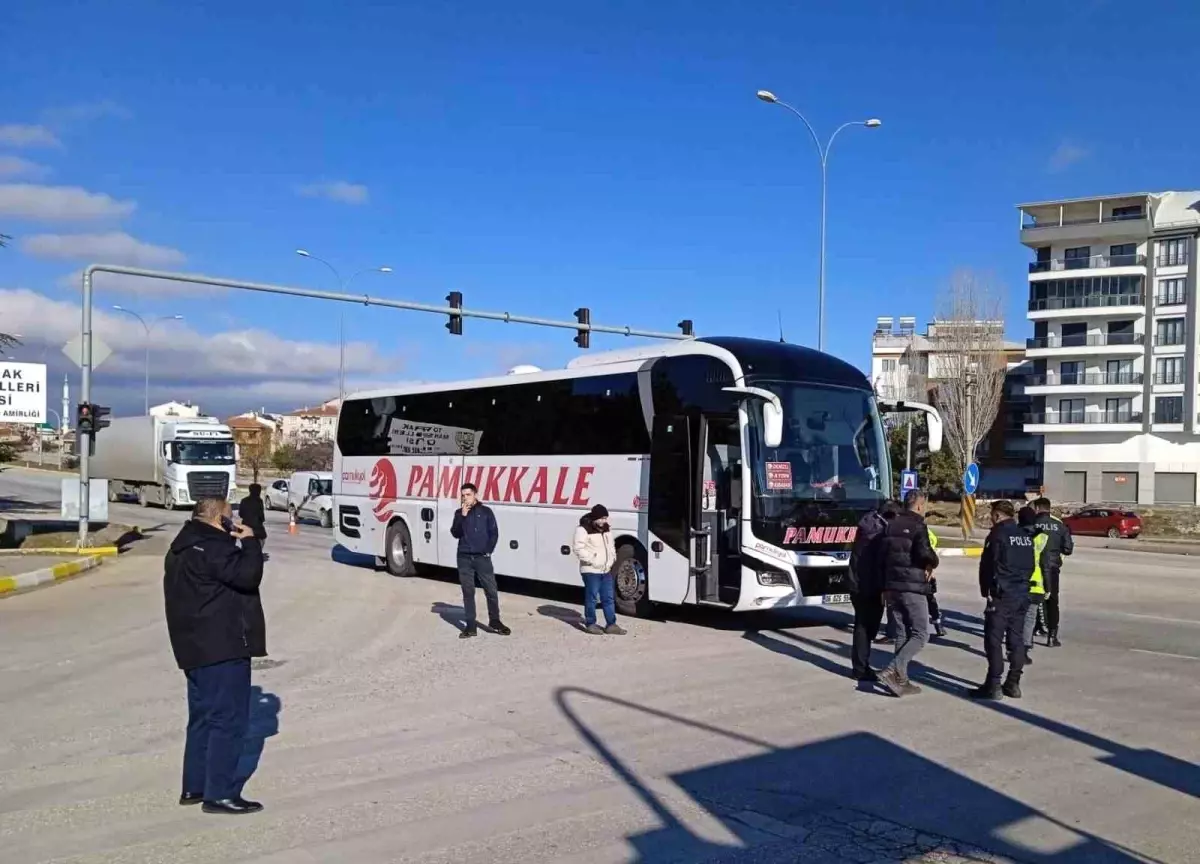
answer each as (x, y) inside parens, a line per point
(1052, 641)
(1011, 689)
(468, 633)
(232, 807)
(939, 629)
(870, 676)
(190, 798)
(1028, 657)
(986, 691)
(499, 629)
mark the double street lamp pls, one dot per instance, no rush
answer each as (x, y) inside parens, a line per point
(342, 286)
(148, 326)
(822, 151)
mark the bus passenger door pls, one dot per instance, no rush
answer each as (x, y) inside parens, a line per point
(717, 563)
(449, 480)
(672, 484)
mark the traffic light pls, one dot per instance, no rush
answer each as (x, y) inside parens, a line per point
(583, 337)
(454, 325)
(100, 417)
(83, 419)
(685, 327)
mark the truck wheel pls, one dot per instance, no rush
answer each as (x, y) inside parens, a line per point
(398, 556)
(326, 519)
(631, 588)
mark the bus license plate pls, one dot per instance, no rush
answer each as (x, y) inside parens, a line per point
(836, 598)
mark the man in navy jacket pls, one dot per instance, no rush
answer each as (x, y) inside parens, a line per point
(475, 529)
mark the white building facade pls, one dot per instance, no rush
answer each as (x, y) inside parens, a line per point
(1113, 302)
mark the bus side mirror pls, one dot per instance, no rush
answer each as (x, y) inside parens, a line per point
(933, 420)
(772, 412)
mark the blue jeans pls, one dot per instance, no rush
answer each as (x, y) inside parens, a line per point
(598, 585)
(218, 718)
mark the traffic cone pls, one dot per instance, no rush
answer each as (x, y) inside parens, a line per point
(293, 528)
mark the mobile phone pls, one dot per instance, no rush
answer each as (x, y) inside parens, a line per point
(227, 524)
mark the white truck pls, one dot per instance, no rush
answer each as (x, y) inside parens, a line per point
(168, 461)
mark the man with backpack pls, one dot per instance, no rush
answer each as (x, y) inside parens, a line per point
(866, 588)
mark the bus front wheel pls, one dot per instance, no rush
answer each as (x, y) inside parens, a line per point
(629, 582)
(398, 557)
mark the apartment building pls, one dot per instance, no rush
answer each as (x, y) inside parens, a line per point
(311, 424)
(1113, 301)
(905, 364)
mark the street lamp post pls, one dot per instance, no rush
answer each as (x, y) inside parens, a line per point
(342, 286)
(148, 327)
(823, 152)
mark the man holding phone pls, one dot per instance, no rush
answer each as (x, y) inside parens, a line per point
(475, 529)
(216, 624)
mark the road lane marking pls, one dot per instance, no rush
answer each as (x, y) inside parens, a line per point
(1155, 617)
(1164, 654)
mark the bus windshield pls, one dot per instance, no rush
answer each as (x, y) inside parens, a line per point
(203, 452)
(833, 450)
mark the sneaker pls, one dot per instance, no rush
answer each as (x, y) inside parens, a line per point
(468, 633)
(909, 689)
(890, 679)
(1053, 641)
(614, 630)
(986, 691)
(594, 629)
(1011, 689)
(499, 629)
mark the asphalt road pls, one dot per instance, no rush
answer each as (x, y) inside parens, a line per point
(698, 737)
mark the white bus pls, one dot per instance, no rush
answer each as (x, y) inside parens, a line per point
(734, 470)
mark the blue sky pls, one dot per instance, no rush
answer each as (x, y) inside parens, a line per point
(540, 156)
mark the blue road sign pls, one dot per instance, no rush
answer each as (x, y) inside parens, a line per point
(971, 478)
(908, 480)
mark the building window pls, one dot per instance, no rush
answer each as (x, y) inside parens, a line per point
(1172, 292)
(1169, 331)
(1070, 410)
(1122, 255)
(1173, 252)
(1070, 372)
(1133, 211)
(889, 367)
(1119, 372)
(1077, 257)
(1168, 370)
(1168, 409)
(1085, 291)
(1118, 410)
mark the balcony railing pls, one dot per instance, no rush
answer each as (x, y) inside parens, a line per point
(1084, 418)
(1088, 301)
(1170, 339)
(1173, 259)
(1169, 378)
(1086, 341)
(1172, 299)
(1087, 379)
(1054, 265)
(1168, 416)
(1054, 222)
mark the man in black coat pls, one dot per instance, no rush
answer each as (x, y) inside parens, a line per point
(866, 588)
(216, 624)
(1005, 570)
(475, 529)
(908, 562)
(253, 514)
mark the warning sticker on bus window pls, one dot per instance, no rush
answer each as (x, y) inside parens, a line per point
(779, 475)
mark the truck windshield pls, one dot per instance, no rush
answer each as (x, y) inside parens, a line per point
(203, 452)
(833, 450)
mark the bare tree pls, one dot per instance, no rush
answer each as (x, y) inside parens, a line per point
(255, 456)
(968, 361)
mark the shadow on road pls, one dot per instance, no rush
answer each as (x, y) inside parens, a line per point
(571, 617)
(264, 723)
(800, 794)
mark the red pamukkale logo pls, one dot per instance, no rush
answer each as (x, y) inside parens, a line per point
(383, 489)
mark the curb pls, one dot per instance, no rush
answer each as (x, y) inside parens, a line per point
(99, 551)
(973, 552)
(10, 585)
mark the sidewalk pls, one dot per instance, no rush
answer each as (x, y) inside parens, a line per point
(20, 573)
(1156, 545)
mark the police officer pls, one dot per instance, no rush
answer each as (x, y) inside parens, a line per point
(1005, 570)
(1058, 543)
(1027, 518)
(935, 611)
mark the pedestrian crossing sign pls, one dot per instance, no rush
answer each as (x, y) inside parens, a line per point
(908, 480)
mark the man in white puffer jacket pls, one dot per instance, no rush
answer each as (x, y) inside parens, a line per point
(597, 557)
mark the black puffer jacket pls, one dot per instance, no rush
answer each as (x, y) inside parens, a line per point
(906, 554)
(252, 512)
(210, 587)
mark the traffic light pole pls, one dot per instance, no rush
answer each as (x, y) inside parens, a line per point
(84, 442)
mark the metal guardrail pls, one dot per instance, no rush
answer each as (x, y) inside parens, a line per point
(1090, 341)
(1092, 262)
(1083, 418)
(1095, 301)
(1084, 379)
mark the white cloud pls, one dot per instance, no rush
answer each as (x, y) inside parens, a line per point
(84, 112)
(113, 247)
(1066, 155)
(225, 372)
(337, 190)
(27, 135)
(59, 203)
(15, 166)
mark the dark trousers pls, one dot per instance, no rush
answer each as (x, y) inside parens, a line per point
(478, 568)
(935, 611)
(868, 615)
(1051, 606)
(1004, 623)
(218, 718)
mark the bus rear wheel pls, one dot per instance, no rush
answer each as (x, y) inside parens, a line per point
(397, 555)
(631, 589)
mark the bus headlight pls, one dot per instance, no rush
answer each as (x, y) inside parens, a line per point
(773, 577)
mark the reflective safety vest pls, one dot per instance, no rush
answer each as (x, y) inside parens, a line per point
(1036, 585)
(932, 537)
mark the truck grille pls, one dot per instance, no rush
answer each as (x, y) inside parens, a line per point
(208, 484)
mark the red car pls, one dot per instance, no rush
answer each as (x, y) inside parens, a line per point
(1105, 522)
